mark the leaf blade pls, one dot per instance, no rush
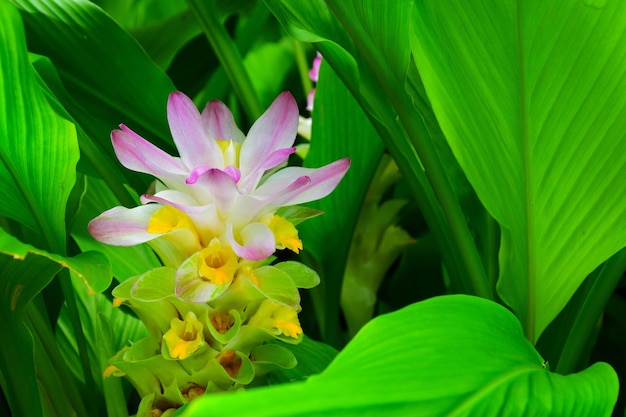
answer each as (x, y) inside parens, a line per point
(39, 148)
(518, 112)
(449, 355)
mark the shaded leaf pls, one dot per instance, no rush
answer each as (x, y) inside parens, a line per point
(93, 268)
(106, 72)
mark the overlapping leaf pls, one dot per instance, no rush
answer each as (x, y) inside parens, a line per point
(328, 237)
(38, 148)
(530, 96)
(19, 288)
(109, 77)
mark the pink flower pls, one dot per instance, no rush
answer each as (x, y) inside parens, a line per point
(223, 185)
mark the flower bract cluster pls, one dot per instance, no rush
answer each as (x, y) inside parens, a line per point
(219, 211)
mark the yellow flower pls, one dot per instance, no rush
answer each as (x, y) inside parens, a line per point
(284, 231)
(277, 319)
(217, 263)
(184, 336)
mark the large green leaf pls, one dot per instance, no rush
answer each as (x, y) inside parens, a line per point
(452, 355)
(38, 148)
(531, 98)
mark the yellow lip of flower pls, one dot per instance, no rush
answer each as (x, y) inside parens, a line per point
(277, 319)
(217, 263)
(168, 219)
(184, 336)
(285, 233)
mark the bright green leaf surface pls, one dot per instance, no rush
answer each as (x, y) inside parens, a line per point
(531, 98)
(453, 355)
(38, 148)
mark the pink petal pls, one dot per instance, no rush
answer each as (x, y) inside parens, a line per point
(295, 185)
(315, 69)
(310, 99)
(277, 158)
(223, 189)
(196, 173)
(233, 172)
(178, 199)
(219, 122)
(258, 242)
(122, 226)
(194, 144)
(137, 154)
(275, 129)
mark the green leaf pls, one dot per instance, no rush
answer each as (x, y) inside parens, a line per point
(270, 63)
(21, 281)
(302, 275)
(164, 38)
(328, 237)
(92, 268)
(369, 62)
(39, 150)
(386, 24)
(108, 75)
(452, 355)
(532, 108)
(106, 329)
(312, 356)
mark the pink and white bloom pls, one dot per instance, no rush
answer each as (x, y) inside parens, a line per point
(223, 185)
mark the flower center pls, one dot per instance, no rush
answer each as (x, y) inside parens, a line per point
(230, 150)
(222, 322)
(217, 263)
(230, 362)
(184, 336)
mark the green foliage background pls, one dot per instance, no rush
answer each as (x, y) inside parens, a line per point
(504, 118)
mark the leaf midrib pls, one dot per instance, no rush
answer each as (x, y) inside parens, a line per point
(529, 324)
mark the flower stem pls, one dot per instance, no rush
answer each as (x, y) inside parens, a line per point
(228, 54)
